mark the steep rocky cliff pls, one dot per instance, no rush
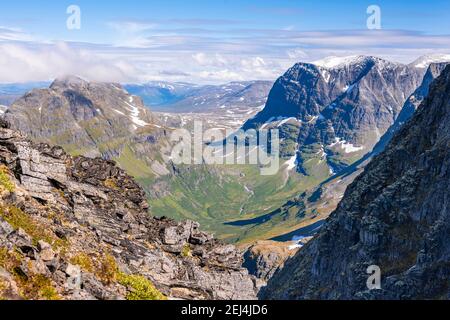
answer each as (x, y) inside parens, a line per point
(78, 228)
(395, 215)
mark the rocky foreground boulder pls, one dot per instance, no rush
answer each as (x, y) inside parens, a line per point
(395, 215)
(78, 228)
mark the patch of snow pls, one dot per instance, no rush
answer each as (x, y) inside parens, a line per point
(349, 88)
(267, 123)
(350, 148)
(292, 163)
(346, 146)
(284, 121)
(298, 245)
(333, 61)
(134, 114)
(425, 61)
(248, 190)
(325, 75)
(314, 119)
(323, 155)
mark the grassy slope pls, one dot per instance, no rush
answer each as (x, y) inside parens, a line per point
(215, 196)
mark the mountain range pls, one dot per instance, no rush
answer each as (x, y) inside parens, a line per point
(337, 108)
(352, 145)
(330, 115)
(189, 98)
(330, 142)
(394, 216)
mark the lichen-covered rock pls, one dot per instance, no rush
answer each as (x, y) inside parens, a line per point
(76, 228)
(395, 215)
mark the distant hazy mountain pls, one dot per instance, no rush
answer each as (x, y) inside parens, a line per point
(394, 216)
(12, 91)
(185, 98)
(158, 94)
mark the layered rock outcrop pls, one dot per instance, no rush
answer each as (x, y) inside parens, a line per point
(78, 228)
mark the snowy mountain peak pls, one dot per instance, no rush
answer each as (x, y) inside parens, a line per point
(335, 62)
(424, 61)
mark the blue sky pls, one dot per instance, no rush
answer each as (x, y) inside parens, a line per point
(208, 41)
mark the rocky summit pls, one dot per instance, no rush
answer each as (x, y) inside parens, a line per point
(79, 228)
(395, 216)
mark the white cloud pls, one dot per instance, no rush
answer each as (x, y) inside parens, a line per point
(21, 63)
(220, 75)
(297, 54)
(13, 34)
(131, 26)
(143, 52)
(215, 60)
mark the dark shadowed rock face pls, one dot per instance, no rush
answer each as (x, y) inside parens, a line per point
(395, 215)
(81, 227)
